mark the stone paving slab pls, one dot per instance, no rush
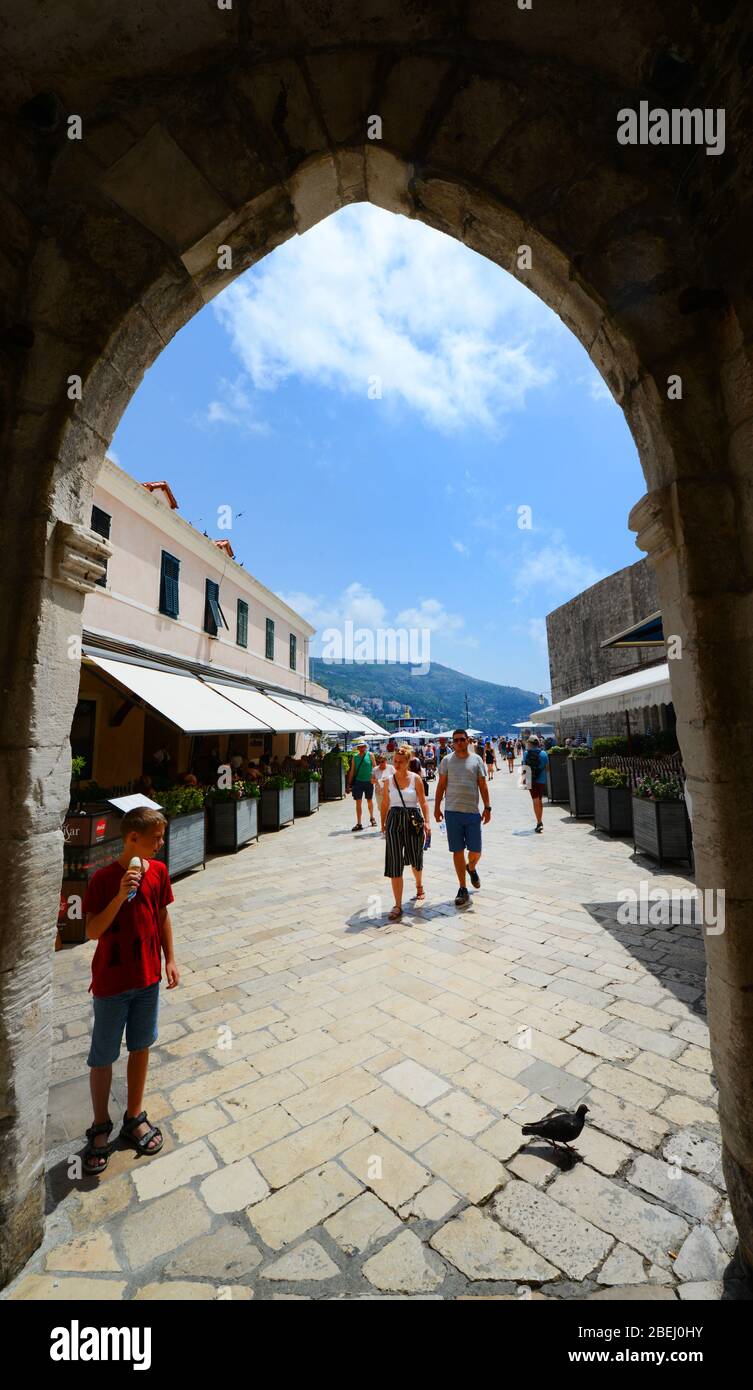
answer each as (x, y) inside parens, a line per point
(360, 1136)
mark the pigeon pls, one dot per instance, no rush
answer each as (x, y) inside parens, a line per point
(560, 1128)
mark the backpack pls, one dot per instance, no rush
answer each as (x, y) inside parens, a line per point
(533, 760)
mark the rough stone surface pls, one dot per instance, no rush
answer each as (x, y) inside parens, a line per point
(308, 1262)
(645, 1226)
(701, 1256)
(623, 1266)
(362, 1222)
(677, 1189)
(405, 1266)
(569, 1242)
(477, 1246)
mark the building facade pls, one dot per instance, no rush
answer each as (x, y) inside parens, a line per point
(177, 596)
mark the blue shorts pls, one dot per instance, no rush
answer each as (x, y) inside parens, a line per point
(361, 789)
(463, 831)
(135, 1010)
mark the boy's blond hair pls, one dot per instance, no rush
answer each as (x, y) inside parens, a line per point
(141, 820)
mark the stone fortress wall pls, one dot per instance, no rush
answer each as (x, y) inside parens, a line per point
(577, 660)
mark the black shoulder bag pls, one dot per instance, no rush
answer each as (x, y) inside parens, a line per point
(416, 820)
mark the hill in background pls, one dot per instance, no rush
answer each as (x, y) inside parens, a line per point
(439, 695)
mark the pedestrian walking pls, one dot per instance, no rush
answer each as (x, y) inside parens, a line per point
(510, 755)
(491, 760)
(381, 771)
(537, 760)
(462, 779)
(407, 827)
(361, 781)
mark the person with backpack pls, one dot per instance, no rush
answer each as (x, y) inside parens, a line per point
(537, 760)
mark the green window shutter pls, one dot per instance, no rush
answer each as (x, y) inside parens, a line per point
(169, 585)
(214, 618)
(293, 651)
(270, 645)
(101, 522)
(242, 623)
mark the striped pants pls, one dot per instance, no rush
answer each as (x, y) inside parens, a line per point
(404, 844)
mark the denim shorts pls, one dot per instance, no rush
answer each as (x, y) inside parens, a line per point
(361, 789)
(463, 831)
(135, 1010)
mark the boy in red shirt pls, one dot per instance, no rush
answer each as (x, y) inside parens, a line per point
(126, 914)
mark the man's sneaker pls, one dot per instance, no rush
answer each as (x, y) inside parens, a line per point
(463, 898)
(539, 828)
(475, 880)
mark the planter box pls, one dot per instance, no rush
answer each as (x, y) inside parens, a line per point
(579, 785)
(662, 829)
(277, 808)
(613, 810)
(332, 785)
(234, 823)
(185, 843)
(305, 798)
(556, 777)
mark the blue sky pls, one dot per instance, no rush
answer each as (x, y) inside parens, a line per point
(375, 402)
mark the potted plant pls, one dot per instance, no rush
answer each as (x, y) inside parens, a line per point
(233, 815)
(185, 838)
(580, 765)
(612, 808)
(661, 826)
(277, 803)
(556, 773)
(306, 791)
(334, 768)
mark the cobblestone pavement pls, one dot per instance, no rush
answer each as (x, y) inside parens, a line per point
(342, 1099)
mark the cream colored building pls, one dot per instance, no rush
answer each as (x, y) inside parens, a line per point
(176, 601)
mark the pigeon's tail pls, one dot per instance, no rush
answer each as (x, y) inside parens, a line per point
(528, 1129)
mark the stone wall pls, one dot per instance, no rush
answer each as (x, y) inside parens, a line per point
(577, 661)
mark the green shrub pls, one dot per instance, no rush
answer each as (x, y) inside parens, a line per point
(181, 801)
(581, 752)
(608, 777)
(616, 743)
(277, 783)
(77, 766)
(307, 774)
(558, 748)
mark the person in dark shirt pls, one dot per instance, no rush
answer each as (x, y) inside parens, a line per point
(126, 912)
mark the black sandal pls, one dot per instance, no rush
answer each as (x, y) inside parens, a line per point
(141, 1143)
(100, 1151)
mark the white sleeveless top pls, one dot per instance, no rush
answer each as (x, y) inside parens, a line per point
(409, 793)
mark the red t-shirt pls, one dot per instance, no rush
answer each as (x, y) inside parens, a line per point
(128, 954)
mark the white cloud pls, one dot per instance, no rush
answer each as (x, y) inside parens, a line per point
(461, 548)
(369, 294)
(233, 406)
(432, 615)
(356, 603)
(557, 569)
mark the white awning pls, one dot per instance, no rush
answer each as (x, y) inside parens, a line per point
(638, 690)
(268, 713)
(374, 728)
(548, 715)
(316, 716)
(181, 697)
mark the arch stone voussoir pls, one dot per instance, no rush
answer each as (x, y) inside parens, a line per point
(240, 129)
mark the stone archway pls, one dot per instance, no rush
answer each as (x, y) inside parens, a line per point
(239, 128)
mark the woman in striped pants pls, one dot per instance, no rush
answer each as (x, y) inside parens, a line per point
(407, 829)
